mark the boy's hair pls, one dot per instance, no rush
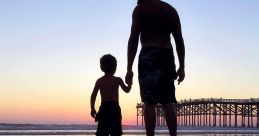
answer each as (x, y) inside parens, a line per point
(108, 64)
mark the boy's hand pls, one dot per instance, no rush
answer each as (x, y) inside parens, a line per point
(93, 113)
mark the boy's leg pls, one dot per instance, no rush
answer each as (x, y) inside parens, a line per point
(102, 135)
(115, 134)
(150, 119)
(115, 121)
(170, 116)
(102, 128)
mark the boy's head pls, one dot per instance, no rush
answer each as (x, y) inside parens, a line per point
(108, 64)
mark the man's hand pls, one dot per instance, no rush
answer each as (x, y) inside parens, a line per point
(93, 113)
(180, 75)
(128, 77)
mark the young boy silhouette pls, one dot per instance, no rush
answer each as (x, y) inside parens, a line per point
(109, 114)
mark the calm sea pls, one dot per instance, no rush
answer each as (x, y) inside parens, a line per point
(158, 135)
(127, 133)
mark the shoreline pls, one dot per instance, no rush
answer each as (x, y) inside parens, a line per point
(82, 129)
(198, 131)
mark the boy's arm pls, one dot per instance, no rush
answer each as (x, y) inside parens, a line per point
(93, 98)
(123, 86)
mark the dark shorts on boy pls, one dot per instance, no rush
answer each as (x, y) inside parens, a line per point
(157, 73)
(109, 119)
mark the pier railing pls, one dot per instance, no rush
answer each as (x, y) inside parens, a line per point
(220, 100)
(210, 112)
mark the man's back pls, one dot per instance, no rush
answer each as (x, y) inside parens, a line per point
(157, 21)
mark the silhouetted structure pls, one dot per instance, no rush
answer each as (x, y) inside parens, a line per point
(210, 112)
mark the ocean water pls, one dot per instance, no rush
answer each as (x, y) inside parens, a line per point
(129, 132)
(156, 135)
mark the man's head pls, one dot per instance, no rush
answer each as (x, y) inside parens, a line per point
(108, 64)
(140, 1)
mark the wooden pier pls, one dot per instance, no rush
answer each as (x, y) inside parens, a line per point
(215, 112)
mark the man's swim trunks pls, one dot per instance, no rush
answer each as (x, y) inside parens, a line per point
(156, 75)
(109, 119)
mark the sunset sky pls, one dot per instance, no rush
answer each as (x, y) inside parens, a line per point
(50, 51)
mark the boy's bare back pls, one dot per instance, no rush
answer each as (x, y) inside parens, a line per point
(109, 87)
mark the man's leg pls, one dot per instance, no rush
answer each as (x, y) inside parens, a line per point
(171, 119)
(150, 119)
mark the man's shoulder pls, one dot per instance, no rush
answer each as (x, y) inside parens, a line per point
(168, 6)
(137, 9)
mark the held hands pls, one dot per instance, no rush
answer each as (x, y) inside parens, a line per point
(180, 74)
(128, 77)
(93, 113)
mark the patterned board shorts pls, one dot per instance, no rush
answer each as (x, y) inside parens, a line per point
(156, 75)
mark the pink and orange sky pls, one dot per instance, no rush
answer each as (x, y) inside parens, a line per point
(50, 50)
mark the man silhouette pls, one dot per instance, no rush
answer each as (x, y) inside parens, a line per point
(154, 21)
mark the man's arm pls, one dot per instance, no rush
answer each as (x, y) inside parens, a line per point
(93, 98)
(180, 48)
(133, 44)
